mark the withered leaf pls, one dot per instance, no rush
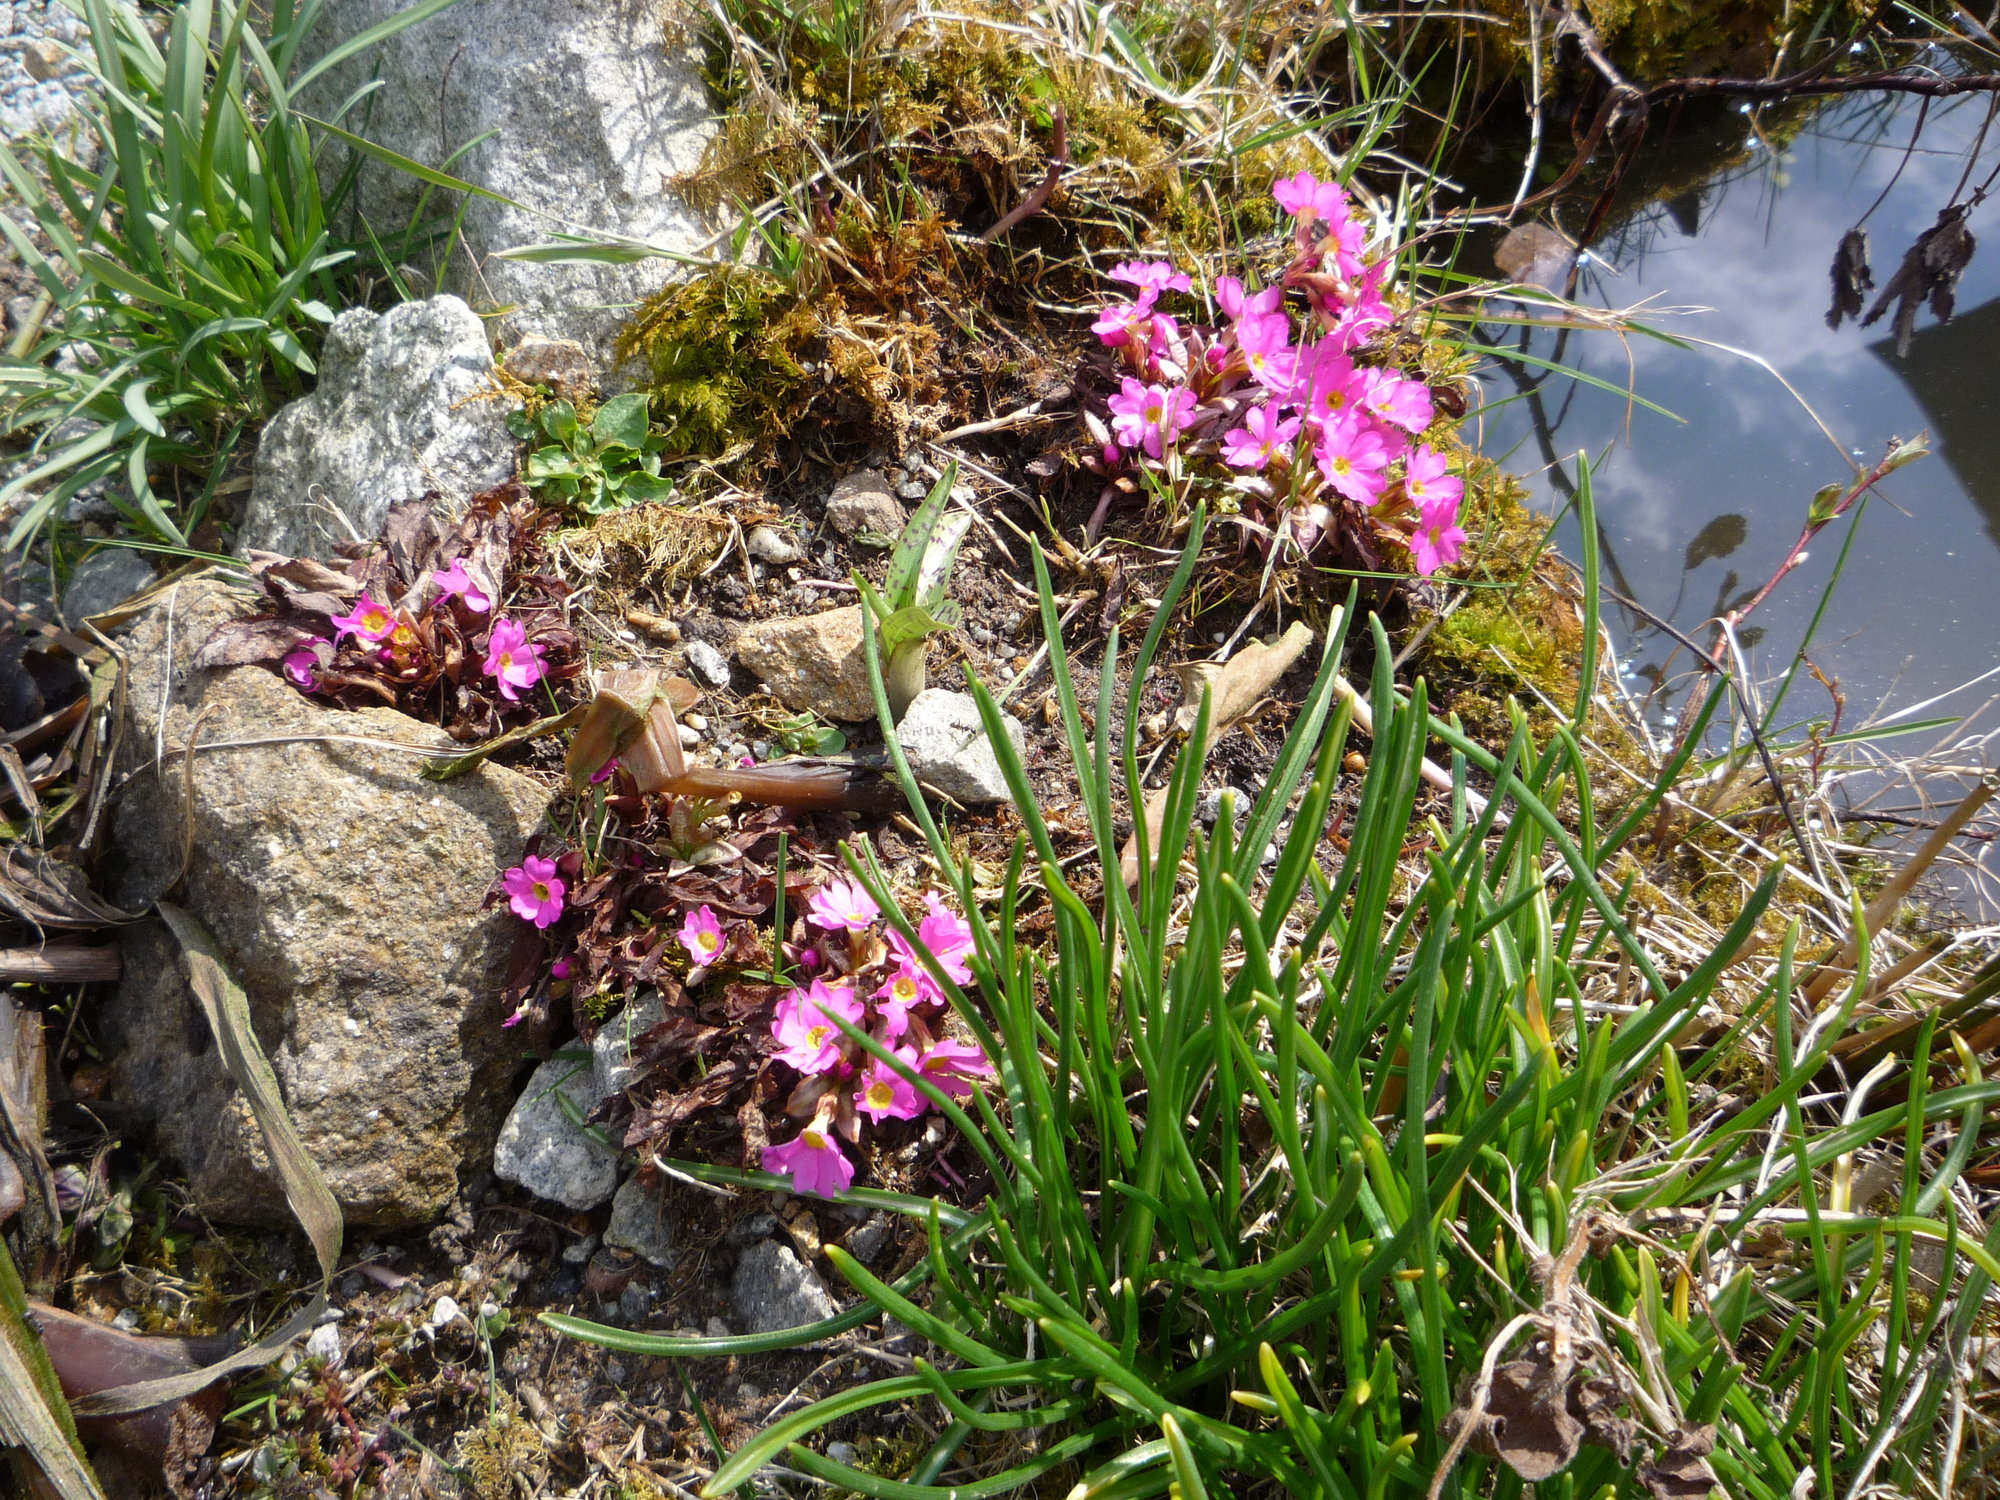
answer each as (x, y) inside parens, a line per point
(1527, 1422)
(1595, 1403)
(1851, 277)
(1681, 1471)
(1930, 271)
(308, 575)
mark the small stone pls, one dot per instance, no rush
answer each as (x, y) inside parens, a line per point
(611, 1060)
(127, 1319)
(641, 1224)
(863, 507)
(774, 1289)
(866, 1242)
(560, 364)
(843, 1453)
(578, 1251)
(756, 1227)
(44, 59)
(323, 1343)
(635, 1304)
(614, 1371)
(812, 662)
(543, 1150)
(715, 1328)
(768, 544)
(697, 722)
(947, 747)
(912, 489)
(709, 664)
(105, 579)
(690, 736)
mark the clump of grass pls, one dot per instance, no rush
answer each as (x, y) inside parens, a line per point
(1302, 1173)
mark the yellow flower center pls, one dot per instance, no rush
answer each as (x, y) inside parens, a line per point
(1342, 466)
(880, 1095)
(375, 619)
(905, 990)
(708, 942)
(816, 1037)
(541, 890)
(813, 1139)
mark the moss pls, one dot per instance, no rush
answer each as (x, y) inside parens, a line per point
(724, 352)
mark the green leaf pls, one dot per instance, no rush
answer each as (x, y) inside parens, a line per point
(641, 488)
(906, 626)
(552, 463)
(621, 422)
(906, 560)
(141, 409)
(415, 168)
(559, 422)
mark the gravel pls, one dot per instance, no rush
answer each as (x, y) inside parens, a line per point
(40, 85)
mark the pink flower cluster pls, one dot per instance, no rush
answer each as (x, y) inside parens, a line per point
(879, 985)
(1324, 437)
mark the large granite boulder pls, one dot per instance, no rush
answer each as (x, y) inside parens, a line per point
(344, 892)
(589, 110)
(406, 404)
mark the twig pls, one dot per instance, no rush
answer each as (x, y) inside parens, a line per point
(1032, 204)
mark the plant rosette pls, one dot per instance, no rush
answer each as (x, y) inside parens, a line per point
(597, 467)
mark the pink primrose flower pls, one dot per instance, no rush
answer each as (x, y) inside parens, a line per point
(369, 620)
(1303, 195)
(1262, 434)
(1151, 416)
(1165, 345)
(943, 934)
(533, 891)
(1438, 539)
(701, 935)
(302, 667)
(512, 661)
(1240, 305)
(811, 1042)
(814, 1162)
(1333, 387)
(1402, 403)
(1428, 485)
(910, 985)
(949, 1064)
(1352, 456)
(1155, 276)
(455, 583)
(1366, 313)
(886, 1095)
(560, 969)
(1124, 323)
(842, 904)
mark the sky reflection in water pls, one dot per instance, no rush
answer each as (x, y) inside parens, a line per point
(1696, 515)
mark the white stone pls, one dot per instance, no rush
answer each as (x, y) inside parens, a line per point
(398, 412)
(592, 111)
(948, 749)
(542, 1149)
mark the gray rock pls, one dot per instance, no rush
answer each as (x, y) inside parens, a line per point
(396, 414)
(864, 508)
(323, 1343)
(812, 662)
(867, 1240)
(708, 663)
(344, 892)
(913, 489)
(544, 1150)
(947, 746)
(104, 579)
(595, 112)
(641, 1224)
(768, 544)
(611, 1049)
(774, 1289)
(41, 84)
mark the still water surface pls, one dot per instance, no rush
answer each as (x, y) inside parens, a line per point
(1695, 515)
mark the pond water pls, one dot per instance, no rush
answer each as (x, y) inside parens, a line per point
(1696, 514)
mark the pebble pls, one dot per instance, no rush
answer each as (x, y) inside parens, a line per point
(323, 1343)
(690, 736)
(774, 1289)
(641, 1223)
(865, 1243)
(912, 489)
(697, 722)
(709, 664)
(768, 544)
(579, 1251)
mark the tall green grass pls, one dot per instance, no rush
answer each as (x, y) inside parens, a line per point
(186, 256)
(1283, 1155)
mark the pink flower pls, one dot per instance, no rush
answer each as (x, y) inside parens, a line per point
(949, 1064)
(560, 969)
(814, 1162)
(1268, 357)
(533, 891)
(1334, 385)
(1240, 305)
(1390, 398)
(701, 935)
(369, 620)
(1366, 315)
(1352, 456)
(455, 583)
(842, 904)
(910, 986)
(1151, 416)
(811, 1042)
(1124, 322)
(604, 772)
(1427, 484)
(886, 1095)
(944, 934)
(1438, 539)
(1300, 194)
(511, 660)
(1262, 434)
(1164, 344)
(302, 667)
(1155, 276)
